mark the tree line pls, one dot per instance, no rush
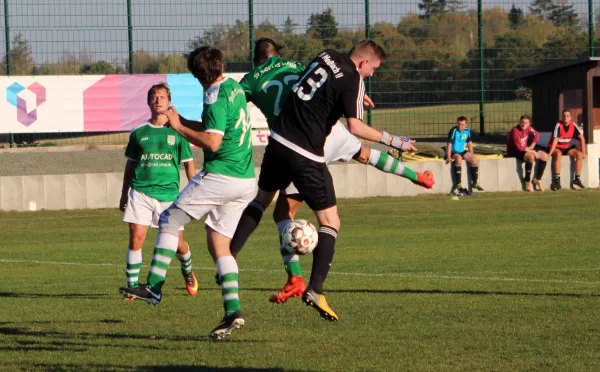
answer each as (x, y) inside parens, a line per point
(433, 56)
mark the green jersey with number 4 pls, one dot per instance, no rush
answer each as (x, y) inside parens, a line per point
(157, 152)
(225, 112)
(269, 84)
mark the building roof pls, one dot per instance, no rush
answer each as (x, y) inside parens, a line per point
(556, 66)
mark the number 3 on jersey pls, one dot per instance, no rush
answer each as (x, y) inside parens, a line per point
(244, 120)
(301, 91)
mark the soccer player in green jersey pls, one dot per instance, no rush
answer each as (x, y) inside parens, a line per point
(220, 192)
(268, 86)
(151, 183)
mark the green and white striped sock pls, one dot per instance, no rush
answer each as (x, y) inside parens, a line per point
(166, 246)
(290, 261)
(388, 164)
(228, 276)
(185, 261)
(133, 267)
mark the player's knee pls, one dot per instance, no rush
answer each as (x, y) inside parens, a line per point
(264, 197)
(171, 219)
(529, 157)
(457, 159)
(363, 155)
(136, 242)
(542, 156)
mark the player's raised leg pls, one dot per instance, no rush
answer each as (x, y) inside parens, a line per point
(388, 164)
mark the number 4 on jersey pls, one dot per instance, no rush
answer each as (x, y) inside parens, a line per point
(244, 120)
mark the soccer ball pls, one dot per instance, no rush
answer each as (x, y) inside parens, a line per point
(299, 237)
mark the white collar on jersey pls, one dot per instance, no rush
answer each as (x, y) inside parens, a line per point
(213, 92)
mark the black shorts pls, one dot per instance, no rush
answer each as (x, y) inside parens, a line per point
(282, 166)
(459, 153)
(517, 154)
(564, 151)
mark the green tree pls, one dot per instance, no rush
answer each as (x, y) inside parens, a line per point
(563, 14)
(97, 68)
(323, 26)
(289, 26)
(515, 17)
(542, 8)
(21, 60)
(430, 8)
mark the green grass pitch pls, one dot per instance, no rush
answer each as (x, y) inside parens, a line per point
(491, 282)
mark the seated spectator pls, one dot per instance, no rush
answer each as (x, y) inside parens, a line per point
(460, 147)
(561, 144)
(517, 146)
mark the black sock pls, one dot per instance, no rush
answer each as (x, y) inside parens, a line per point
(540, 169)
(528, 168)
(474, 173)
(557, 178)
(457, 173)
(248, 223)
(322, 258)
(577, 175)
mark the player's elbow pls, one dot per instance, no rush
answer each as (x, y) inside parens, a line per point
(214, 143)
(353, 126)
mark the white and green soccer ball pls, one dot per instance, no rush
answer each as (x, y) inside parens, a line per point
(299, 237)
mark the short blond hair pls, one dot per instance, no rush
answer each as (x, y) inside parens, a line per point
(366, 48)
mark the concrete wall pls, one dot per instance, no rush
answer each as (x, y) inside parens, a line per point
(103, 190)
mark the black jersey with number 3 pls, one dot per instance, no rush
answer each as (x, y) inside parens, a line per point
(330, 88)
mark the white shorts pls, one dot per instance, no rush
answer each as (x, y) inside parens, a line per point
(144, 210)
(340, 145)
(222, 199)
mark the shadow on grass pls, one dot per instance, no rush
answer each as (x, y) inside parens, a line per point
(53, 295)
(440, 291)
(22, 331)
(178, 368)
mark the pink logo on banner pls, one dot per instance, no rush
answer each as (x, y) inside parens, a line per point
(118, 102)
(26, 100)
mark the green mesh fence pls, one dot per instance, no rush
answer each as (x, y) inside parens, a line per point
(446, 57)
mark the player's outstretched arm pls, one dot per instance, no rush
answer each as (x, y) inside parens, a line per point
(362, 130)
(207, 140)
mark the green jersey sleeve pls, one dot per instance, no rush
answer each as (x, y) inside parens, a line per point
(132, 150)
(246, 83)
(214, 117)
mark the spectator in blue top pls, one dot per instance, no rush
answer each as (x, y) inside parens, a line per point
(460, 147)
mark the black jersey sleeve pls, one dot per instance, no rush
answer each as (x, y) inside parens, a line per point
(352, 95)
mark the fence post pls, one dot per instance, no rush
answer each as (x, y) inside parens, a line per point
(130, 36)
(481, 67)
(8, 62)
(7, 38)
(368, 36)
(591, 27)
(251, 28)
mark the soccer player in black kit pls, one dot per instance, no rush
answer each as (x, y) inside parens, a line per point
(332, 86)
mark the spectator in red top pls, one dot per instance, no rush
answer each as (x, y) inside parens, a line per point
(560, 144)
(517, 145)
